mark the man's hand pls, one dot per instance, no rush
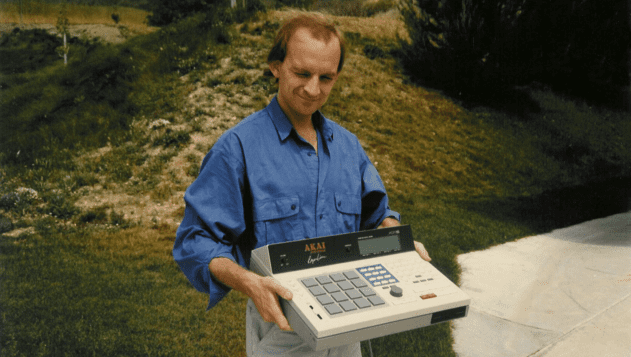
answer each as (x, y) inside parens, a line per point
(264, 292)
(420, 248)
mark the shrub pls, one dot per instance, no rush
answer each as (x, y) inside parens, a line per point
(9, 200)
(5, 224)
(59, 205)
(470, 46)
(450, 40)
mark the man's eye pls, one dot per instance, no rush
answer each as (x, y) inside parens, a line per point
(304, 75)
(326, 78)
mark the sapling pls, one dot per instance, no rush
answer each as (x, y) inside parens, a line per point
(62, 29)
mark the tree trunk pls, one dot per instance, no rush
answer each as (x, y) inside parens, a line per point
(65, 50)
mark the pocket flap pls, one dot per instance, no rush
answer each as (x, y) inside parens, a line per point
(348, 204)
(276, 208)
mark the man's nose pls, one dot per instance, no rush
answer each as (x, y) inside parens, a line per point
(312, 87)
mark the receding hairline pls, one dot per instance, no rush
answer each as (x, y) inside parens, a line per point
(318, 26)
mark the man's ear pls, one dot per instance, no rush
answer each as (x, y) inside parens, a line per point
(274, 67)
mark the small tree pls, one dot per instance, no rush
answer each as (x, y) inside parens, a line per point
(62, 29)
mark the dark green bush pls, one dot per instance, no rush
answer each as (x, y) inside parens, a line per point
(59, 205)
(5, 224)
(472, 46)
(9, 200)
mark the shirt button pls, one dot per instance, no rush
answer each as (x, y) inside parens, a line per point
(293, 207)
(321, 216)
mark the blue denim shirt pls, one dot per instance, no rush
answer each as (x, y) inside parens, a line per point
(261, 183)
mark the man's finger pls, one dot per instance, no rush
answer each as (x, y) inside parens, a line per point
(420, 249)
(280, 318)
(283, 324)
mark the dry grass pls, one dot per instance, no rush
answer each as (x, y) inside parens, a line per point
(45, 13)
(383, 26)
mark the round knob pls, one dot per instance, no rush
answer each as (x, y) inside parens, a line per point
(396, 291)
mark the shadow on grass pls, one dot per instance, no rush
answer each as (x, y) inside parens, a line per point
(511, 100)
(563, 207)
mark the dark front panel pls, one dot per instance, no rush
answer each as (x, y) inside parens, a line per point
(315, 252)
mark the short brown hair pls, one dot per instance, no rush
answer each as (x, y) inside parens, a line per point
(319, 27)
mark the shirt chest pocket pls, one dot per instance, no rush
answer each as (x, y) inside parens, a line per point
(277, 220)
(349, 209)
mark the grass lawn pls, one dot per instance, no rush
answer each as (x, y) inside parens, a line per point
(87, 267)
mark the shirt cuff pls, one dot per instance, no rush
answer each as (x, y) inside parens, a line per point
(392, 214)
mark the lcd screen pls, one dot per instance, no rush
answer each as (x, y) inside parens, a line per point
(379, 245)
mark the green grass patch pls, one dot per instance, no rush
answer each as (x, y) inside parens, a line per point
(109, 292)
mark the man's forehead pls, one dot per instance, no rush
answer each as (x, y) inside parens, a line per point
(303, 44)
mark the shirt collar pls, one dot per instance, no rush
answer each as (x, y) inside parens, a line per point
(284, 126)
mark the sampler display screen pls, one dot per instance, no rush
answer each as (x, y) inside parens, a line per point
(379, 245)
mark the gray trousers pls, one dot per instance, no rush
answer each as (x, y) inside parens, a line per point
(266, 339)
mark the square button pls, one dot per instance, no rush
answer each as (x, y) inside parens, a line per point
(348, 306)
(376, 300)
(337, 277)
(333, 309)
(339, 296)
(331, 288)
(345, 285)
(317, 291)
(367, 291)
(323, 279)
(362, 303)
(351, 275)
(325, 299)
(359, 283)
(309, 282)
(353, 294)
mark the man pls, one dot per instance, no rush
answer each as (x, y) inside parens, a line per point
(284, 173)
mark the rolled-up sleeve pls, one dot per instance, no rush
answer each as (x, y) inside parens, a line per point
(213, 220)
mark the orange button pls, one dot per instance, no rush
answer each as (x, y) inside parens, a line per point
(428, 296)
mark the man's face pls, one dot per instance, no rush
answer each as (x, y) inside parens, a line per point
(307, 74)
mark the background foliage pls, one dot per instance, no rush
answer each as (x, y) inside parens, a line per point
(471, 46)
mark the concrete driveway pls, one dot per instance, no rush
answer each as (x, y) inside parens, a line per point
(564, 293)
